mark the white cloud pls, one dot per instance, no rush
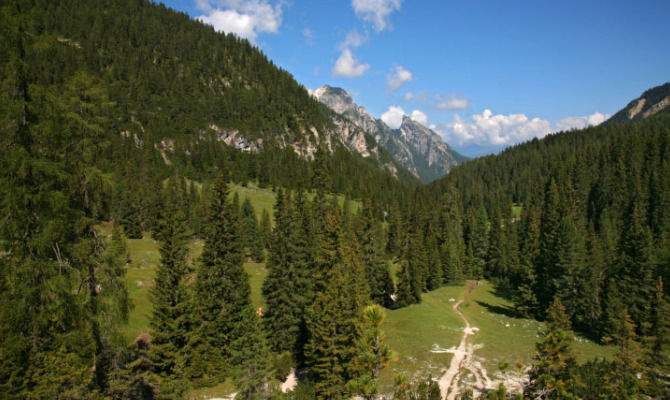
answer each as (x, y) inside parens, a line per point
(569, 123)
(498, 130)
(245, 18)
(347, 66)
(393, 117)
(376, 12)
(398, 77)
(408, 96)
(419, 116)
(354, 39)
(309, 36)
(451, 102)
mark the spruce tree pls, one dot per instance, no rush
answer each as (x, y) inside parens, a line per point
(265, 229)
(281, 318)
(220, 292)
(376, 271)
(169, 295)
(334, 318)
(480, 243)
(549, 229)
(250, 232)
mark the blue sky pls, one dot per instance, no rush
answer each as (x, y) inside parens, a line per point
(483, 74)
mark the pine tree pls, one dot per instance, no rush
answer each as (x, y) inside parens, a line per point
(221, 290)
(169, 319)
(373, 354)
(551, 376)
(622, 380)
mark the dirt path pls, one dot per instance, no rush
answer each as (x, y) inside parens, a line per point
(466, 371)
(447, 382)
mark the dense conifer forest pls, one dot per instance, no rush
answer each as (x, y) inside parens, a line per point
(123, 129)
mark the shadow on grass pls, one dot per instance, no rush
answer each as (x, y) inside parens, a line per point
(503, 310)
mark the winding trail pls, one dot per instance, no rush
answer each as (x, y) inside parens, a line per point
(447, 382)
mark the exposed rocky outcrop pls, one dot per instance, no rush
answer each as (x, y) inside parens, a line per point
(653, 101)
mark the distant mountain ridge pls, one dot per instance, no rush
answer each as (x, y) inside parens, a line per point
(653, 101)
(417, 148)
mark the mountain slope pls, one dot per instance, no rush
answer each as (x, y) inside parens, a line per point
(179, 96)
(653, 101)
(414, 146)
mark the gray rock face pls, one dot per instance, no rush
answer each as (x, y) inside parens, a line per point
(417, 148)
(653, 101)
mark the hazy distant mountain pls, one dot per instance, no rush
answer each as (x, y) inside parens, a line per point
(653, 101)
(415, 147)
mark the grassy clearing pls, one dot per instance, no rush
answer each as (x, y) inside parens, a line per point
(503, 336)
(221, 390)
(412, 332)
(140, 273)
(260, 199)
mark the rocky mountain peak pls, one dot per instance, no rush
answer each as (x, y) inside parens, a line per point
(414, 146)
(653, 101)
(337, 99)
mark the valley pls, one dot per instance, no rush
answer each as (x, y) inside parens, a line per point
(458, 335)
(181, 218)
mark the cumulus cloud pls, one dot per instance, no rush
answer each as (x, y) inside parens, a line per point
(408, 96)
(569, 123)
(393, 117)
(376, 12)
(494, 129)
(245, 18)
(347, 66)
(398, 77)
(451, 102)
(419, 116)
(354, 39)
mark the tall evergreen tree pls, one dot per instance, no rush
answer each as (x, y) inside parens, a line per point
(281, 318)
(376, 271)
(250, 232)
(221, 290)
(373, 355)
(551, 376)
(334, 318)
(169, 295)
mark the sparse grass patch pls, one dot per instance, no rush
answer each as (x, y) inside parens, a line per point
(140, 273)
(224, 389)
